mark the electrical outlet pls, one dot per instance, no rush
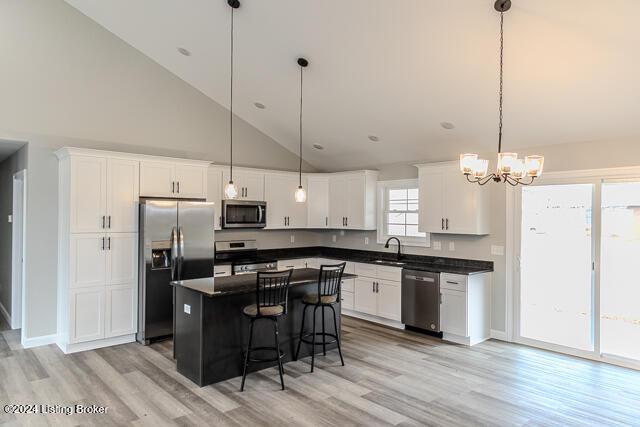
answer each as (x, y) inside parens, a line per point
(497, 250)
(293, 238)
(334, 238)
(10, 219)
(187, 308)
(366, 240)
(452, 246)
(437, 246)
(342, 232)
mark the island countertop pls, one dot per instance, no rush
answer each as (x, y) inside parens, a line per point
(244, 283)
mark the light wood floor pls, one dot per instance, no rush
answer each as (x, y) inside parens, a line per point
(391, 378)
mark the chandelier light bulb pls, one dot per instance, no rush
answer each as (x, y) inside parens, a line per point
(230, 190)
(534, 165)
(466, 162)
(301, 195)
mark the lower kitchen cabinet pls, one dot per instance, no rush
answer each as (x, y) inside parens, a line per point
(120, 310)
(292, 263)
(465, 307)
(86, 317)
(389, 299)
(377, 291)
(366, 299)
(453, 312)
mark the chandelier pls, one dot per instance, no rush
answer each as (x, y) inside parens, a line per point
(510, 169)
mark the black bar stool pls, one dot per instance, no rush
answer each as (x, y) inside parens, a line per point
(272, 292)
(328, 295)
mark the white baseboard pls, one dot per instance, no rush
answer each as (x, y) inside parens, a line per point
(498, 335)
(92, 345)
(5, 314)
(39, 341)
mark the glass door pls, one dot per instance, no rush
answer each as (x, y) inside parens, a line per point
(619, 270)
(556, 259)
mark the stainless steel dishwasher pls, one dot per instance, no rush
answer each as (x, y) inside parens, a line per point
(421, 300)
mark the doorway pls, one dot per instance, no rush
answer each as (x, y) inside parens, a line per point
(17, 248)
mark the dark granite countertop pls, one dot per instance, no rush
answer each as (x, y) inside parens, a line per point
(412, 262)
(245, 283)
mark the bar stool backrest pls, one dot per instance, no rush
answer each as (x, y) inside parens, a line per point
(272, 289)
(330, 279)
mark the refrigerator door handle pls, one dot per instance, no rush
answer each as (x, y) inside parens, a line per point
(181, 252)
(174, 252)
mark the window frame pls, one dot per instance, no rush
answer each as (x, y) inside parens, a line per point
(383, 188)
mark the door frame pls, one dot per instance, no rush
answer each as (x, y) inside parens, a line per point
(513, 208)
(18, 247)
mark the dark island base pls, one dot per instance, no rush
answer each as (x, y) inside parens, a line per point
(210, 341)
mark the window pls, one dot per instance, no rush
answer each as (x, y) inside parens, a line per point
(398, 212)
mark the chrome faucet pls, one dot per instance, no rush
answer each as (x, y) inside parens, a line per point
(386, 245)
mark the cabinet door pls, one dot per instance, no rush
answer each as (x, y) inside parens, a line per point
(87, 260)
(214, 194)
(120, 310)
(88, 194)
(337, 201)
(431, 201)
(292, 263)
(366, 300)
(356, 200)
(122, 258)
(250, 184)
(453, 312)
(459, 202)
(86, 314)
(123, 193)
(389, 299)
(346, 302)
(279, 191)
(157, 179)
(318, 202)
(191, 182)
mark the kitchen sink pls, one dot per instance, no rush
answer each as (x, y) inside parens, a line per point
(384, 261)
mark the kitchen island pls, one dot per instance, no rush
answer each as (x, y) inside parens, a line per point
(211, 333)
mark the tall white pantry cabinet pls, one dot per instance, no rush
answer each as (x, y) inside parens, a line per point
(98, 247)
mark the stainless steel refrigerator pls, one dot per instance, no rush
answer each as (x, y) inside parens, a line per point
(176, 243)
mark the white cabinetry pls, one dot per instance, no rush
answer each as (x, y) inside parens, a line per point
(377, 291)
(352, 200)
(250, 184)
(214, 193)
(465, 307)
(317, 201)
(98, 248)
(292, 263)
(222, 270)
(173, 179)
(450, 204)
(282, 209)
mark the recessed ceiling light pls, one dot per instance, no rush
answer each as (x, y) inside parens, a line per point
(259, 105)
(318, 147)
(447, 125)
(374, 138)
(184, 51)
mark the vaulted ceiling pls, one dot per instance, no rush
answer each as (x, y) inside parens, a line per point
(397, 69)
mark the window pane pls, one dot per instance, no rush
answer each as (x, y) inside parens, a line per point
(398, 194)
(396, 230)
(412, 230)
(397, 206)
(412, 206)
(619, 279)
(555, 273)
(412, 218)
(413, 193)
(397, 218)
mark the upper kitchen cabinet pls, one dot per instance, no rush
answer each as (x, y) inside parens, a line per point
(250, 184)
(317, 201)
(187, 180)
(102, 192)
(282, 209)
(214, 193)
(449, 204)
(352, 200)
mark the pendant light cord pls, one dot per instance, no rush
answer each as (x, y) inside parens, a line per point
(501, 83)
(300, 169)
(231, 106)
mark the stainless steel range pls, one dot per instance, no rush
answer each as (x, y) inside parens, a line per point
(243, 257)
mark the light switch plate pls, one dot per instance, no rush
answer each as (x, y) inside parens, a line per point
(293, 238)
(437, 246)
(334, 238)
(497, 250)
(366, 240)
(452, 246)
(187, 308)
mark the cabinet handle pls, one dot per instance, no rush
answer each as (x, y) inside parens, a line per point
(108, 243)
(103, 219)
(377, 288)
(442, 227)
(346, 220)
(103, 243)
(109, 224)
(447, 223)
(452, 283)
(373, 287)
(326, 221)
(173, 186)
(440, 298)
(178, 187)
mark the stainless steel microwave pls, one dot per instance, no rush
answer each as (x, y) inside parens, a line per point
(244, 214)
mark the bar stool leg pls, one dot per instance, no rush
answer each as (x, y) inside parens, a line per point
(280, 368)
(246, 357)
(324, 337)
(335, 325)
(313, 345)
(304, 313)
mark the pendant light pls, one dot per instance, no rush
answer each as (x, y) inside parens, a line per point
(510, 169)
(230, 189)
(301, 194)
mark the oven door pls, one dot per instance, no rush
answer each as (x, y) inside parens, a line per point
(244, 214)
